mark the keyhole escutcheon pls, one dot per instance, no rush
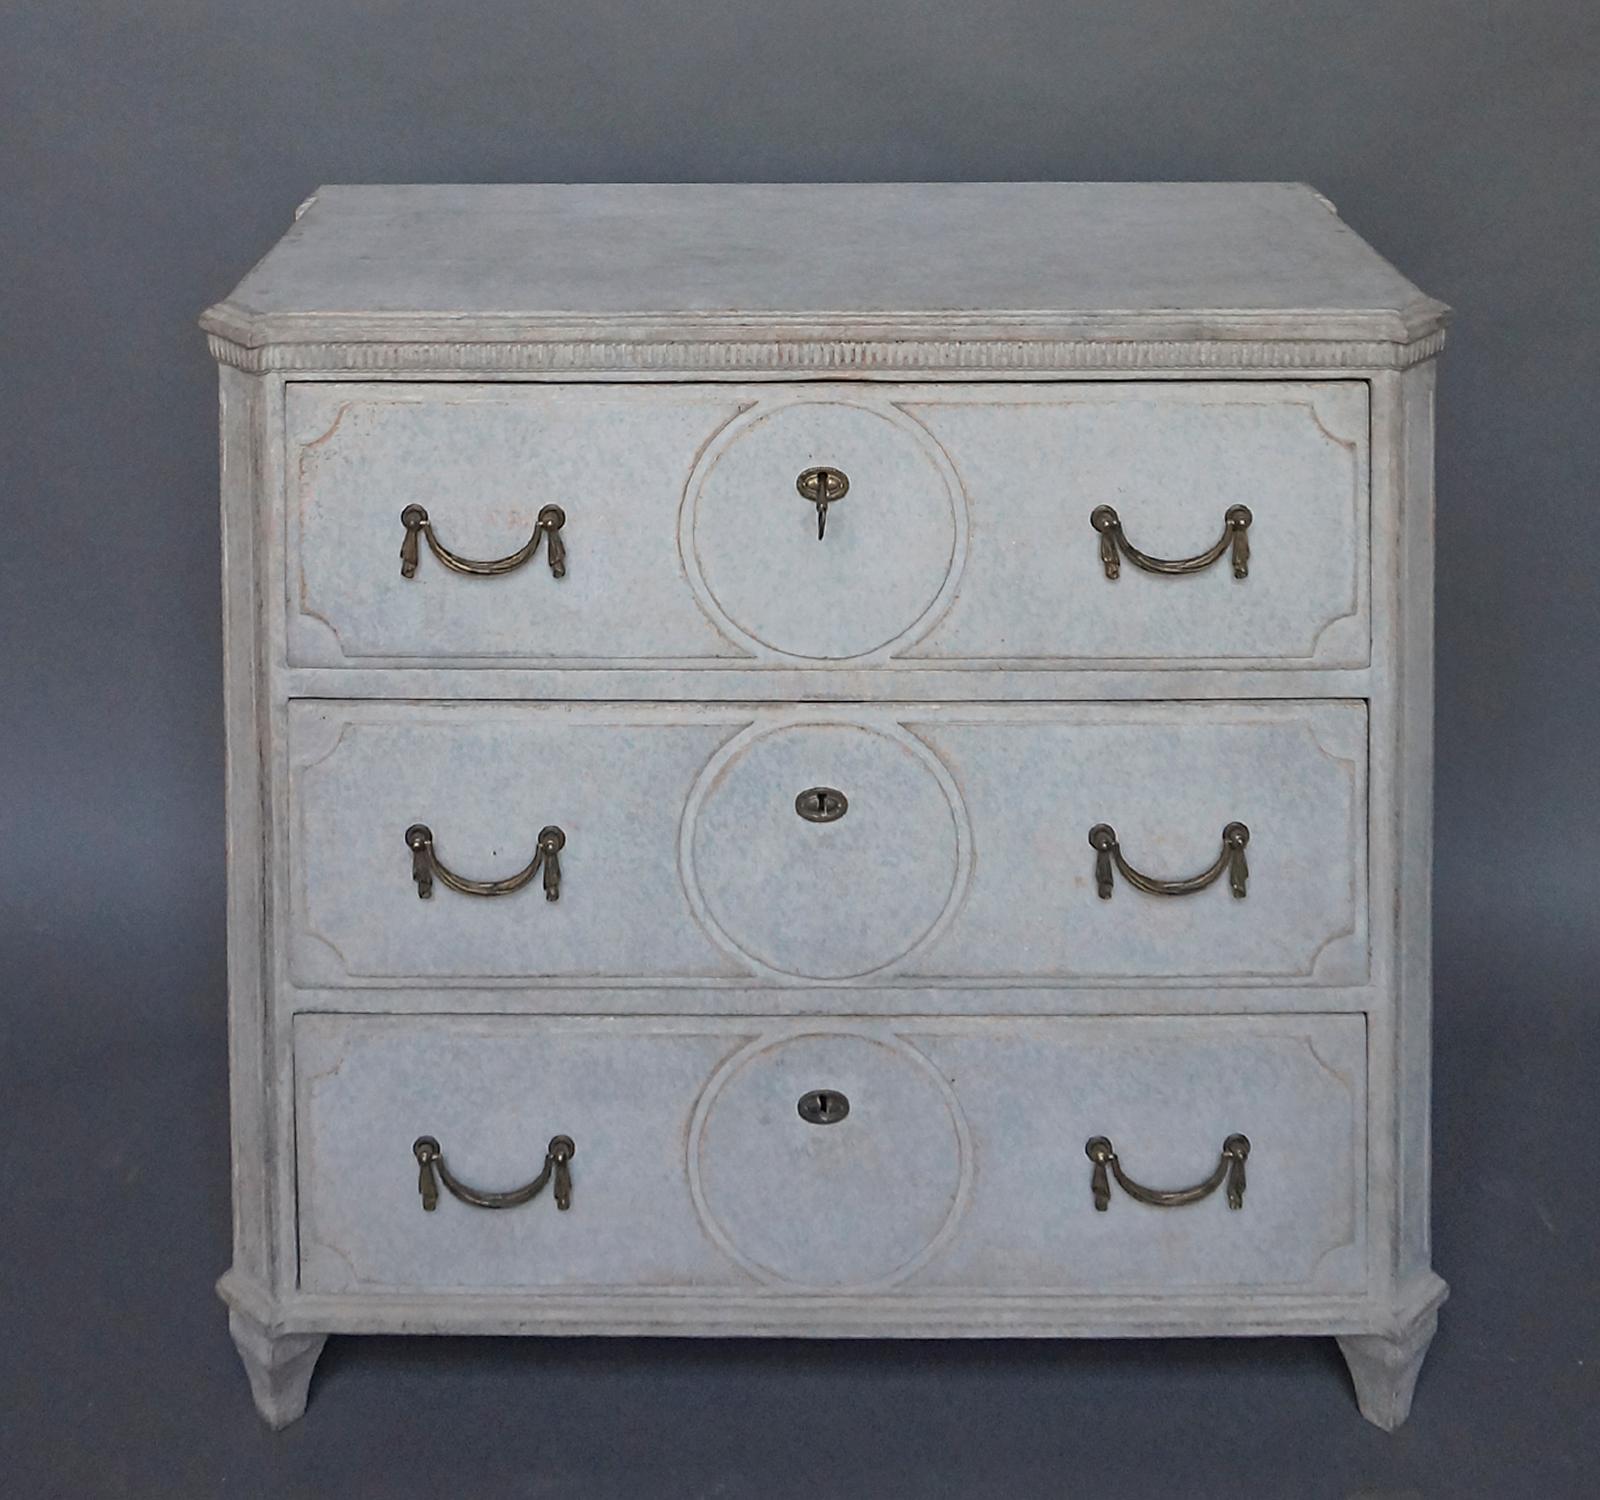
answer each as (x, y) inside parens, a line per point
(823, 1107)
(822, 804)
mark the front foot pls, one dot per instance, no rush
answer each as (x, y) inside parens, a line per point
(1385, 1368)
(279, 1367)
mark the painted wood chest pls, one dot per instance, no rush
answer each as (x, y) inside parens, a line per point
(828, 760)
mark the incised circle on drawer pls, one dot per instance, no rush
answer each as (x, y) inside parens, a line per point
(834, 899)
(862, 1202)
(881, 572)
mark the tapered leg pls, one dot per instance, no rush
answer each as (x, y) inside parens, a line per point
(1385, 1368)
(279, 1367)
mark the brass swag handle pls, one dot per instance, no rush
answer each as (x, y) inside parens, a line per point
(1108, 852)
(549, 523)
(432, 1171)
(1230, 1168)
(1235, 529)
(426, 864)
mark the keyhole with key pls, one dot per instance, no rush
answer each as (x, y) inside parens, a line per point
(823, 486)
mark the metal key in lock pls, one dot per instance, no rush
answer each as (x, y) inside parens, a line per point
(823, 486)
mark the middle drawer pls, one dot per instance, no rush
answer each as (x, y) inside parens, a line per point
(1077, 844)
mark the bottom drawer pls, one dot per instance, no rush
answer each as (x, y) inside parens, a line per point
(833, 1156)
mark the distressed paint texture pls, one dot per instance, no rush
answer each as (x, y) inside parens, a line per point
(964, 539)
(960, 1165)
(662, 362)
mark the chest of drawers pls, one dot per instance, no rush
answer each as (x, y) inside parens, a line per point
(838, 760)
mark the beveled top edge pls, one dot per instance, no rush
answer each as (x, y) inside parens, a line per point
(642, 263)
(796, 356)
(251, 330)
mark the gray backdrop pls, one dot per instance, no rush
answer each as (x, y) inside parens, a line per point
(151, 152)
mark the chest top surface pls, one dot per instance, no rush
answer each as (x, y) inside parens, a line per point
(1085, 261)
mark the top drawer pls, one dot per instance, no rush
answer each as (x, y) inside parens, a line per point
(963, 536)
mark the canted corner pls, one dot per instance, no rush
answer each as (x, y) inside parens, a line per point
(1424, 322)
(233, 336)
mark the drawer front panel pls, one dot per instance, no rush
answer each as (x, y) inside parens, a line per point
(493, 1094)
(832, 845)
(960, 535)
(1167, 1093)
(483, 461)
(949, 1156)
